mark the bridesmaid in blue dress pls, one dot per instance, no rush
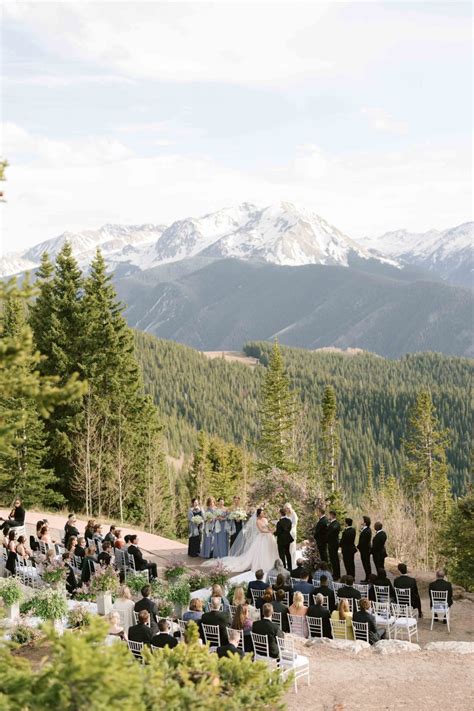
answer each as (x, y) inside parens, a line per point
(221, 533)
(207, 544)
(194, 536)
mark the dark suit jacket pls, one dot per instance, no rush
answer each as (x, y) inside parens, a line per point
(321, 531)
(349, 591)
(364, 616)
(163, 639)
(329, 593)
(272, 631)
(304, 587)
(71, 580)
(348, 540)
(406, 582)
(333, 534)
(283, 531)
(222, 619)
(79, 551)
(282, 608)
(140, 633)
(140, 562)
(227, 649)
(441, 585)
(146, 604)
(87, 568)
(255, 585)
(19, 515)
(296, 573)
(320, 611)
(378, 544)
(386, 583)
(70, 531)
(364, 541)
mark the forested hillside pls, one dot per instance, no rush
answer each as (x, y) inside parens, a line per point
(373, 394)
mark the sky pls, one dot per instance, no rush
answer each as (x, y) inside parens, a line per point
(147, 112)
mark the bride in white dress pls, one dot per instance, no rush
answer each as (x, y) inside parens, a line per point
(255, 547)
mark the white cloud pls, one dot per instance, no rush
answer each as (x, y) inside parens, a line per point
(382, 120)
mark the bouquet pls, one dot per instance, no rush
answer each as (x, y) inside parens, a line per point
(197, 520)
(209, 516)
(238, 515)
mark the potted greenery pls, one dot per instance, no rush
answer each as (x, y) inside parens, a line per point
(197, 580)
(50, 604)
(11, 594)
(54, 574)
(179, 594)
(103, 584)
(218, 575)
(165, 607)
(174, 570)
(79, 616)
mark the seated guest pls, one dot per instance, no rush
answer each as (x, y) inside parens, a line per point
(115, 628)
(282, 584)
(270, 629)
(371, 580)
(266, 597)
(256, 584)
(298, 608)
(71, 544)
(348, 589)
(242, 621)
(11, 552)
(232, 647)
(216, 591)
(22, 550)
(89, 530)
(323, 569)
(70, 529)
(279, 606)
(111, 535)
(125, 605)
(300, 568)
(343, 613)
(45, 536)
(326, 591)
(97, 535)
(127, 541)
(195, 610)
(278, 569)
(217, 617)
(15, 518)
(141, 632)
(105, 556)
(71, 580)
(164, 638)
(88, 567)
(405, 582)
(119, 540)
(304, 586)
(363, 615)
(146, 603)
(441, 585)
(383, 580)
(317, 610)
(140, 562)
(80, 549)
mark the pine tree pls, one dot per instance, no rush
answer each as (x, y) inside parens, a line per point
(200, 471)
(329, 439)
(41, 313)
(277, 417)
(370, 489)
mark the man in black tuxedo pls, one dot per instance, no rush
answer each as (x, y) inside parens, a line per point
(217, 617)
(147, 604)
(71, 580)
(270, 629)
(226, 650)
(379, 552)
(317, 610)
(257, 584)
(141, 632)
(164, 638)
(299, 570)
(441, 585)
(365, 538)
(348, 589)
(406, 582)
(382, 580)
(284, 538)
(348, 548)
(334, 529)
(111, 535)
(140, 562)
(363, 615)
(279, 606)
(238, 524)
(321, 534)
(328, 592)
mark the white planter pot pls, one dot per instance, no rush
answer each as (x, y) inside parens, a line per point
(104, 603)
(59, 626)
(13, 612)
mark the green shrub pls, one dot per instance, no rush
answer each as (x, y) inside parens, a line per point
(22, 634)
(458, 542)
(179, 593)
(10, 591)
(49, 604)
(174, 569)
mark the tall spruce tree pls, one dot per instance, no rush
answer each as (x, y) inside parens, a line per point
(329, 439)
(277, 417)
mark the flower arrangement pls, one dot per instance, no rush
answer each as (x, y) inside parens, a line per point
(179, 594)
(197, 580)
(79, 616)
(238, 515)
(49, 604)
(197, 520)
(165, 607)
(136, 582)
(83, 594)
(218, 575)
(105, 580)
(54, 573)
(10, 591)
(25, 635)
(209, 516)
(174, 569)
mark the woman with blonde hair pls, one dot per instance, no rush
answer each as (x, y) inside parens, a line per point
(299, 609)
(343, 613)
(115, 627)
(124, 605)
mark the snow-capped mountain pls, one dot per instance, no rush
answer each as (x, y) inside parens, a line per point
(447, 253)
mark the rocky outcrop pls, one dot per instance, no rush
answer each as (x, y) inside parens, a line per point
(395, 646)
(457, 647)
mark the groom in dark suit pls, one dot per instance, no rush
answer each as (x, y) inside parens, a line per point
(284, 538)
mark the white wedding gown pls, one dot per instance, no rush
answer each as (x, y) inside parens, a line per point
(259, 550)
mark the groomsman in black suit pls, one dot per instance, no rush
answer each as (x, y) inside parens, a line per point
(284, 538)
(321, 534)
(238, 524)
(379, 540)
(333, 544)
(364, 547)
(348, 547)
